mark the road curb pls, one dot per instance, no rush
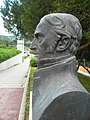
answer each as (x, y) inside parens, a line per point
(30, 110)
(22, 108)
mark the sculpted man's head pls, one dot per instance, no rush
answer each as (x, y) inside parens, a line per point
(56, 35)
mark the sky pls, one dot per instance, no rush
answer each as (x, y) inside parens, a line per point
(3, 31)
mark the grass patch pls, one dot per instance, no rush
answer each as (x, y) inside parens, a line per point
(33, 70)
(85, 81)
(30, 86)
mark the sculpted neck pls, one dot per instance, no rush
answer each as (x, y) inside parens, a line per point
(47, 62)
(63, 68)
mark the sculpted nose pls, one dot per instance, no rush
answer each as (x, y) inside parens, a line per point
(34, 45)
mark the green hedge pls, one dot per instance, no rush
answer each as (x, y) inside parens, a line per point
(33, 62)
(6, 53)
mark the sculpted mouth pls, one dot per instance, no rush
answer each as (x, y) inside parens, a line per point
(36, 54)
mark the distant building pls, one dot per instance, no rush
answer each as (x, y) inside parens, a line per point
(20, 44)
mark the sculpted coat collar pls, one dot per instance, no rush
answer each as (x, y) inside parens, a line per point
(53, 81)
(46, 62)
(64, 69)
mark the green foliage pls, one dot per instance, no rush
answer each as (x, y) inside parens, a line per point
(25, 57)
(22, 16)
(86, 35)
(85, 81)
(33, 62)
(80, 9)
(30, 86)
(32, 71)
(6, 53)
(6, 43)
(11, 14)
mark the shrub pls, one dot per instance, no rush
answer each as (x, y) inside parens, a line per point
(6, 53)
(33, 62)
(25, 57)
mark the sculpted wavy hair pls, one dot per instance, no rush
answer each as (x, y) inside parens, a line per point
(66, 30)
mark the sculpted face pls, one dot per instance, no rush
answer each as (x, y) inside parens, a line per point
(56, 35)
(43, 40)
(38, 42)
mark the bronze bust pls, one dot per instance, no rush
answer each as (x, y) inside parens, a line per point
(57, 92)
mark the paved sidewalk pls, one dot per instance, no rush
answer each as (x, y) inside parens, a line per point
(12, 84)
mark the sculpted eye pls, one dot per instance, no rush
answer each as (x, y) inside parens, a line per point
(36, 35)
(39, 37)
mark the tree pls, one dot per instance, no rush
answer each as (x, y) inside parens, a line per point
(22, 16)
(11, 16)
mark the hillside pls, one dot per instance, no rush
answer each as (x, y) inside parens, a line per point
(2, 37)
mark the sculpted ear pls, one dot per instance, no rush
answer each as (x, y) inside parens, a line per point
(63, 44)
